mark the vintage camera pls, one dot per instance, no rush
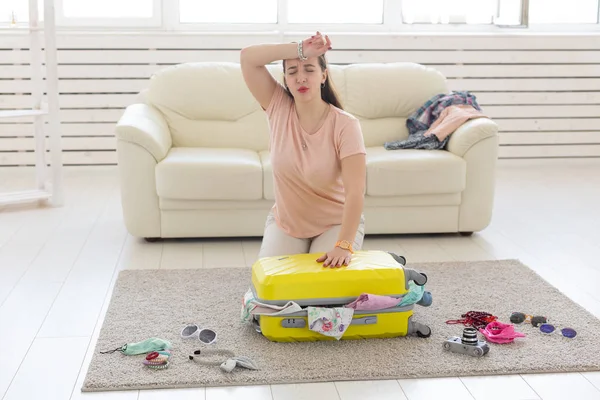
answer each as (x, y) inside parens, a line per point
(469, 344)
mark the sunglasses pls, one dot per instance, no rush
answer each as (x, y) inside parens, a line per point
(519, 317)
(569, 333)
(206, 336)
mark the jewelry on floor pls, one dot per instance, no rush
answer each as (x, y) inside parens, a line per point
(476, 319)
(157, 359)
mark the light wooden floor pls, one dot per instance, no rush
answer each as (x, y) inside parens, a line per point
(58, 265)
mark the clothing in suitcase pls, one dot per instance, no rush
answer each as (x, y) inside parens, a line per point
(297, 287)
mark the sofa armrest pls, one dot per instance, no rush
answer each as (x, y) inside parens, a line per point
(476, 142)
(471, 133)
(145, 126)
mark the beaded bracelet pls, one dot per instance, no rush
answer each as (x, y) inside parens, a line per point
(160, 366)
(156, 361)
(300, 52)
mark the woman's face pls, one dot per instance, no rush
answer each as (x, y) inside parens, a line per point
(304, 78)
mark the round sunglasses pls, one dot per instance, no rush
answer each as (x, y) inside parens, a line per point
(569, 333)
(206, 336)
(535, 320)
(542, 323)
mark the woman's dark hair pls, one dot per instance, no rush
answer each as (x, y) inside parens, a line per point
(328, 92)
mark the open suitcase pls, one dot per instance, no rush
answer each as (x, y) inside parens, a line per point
(301, 279)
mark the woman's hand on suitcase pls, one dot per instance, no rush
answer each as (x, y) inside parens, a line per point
(336, 258)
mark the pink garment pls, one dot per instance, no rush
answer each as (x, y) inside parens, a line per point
(307, 174)
(498, 332)
(451, 119)
(373, 302)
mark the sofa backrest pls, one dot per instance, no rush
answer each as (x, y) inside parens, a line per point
(209, 105)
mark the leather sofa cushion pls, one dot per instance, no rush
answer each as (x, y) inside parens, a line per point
(381, 96)
(414, 172)
(428, 200)
(210, 174)
(207, 104)
(400, 173)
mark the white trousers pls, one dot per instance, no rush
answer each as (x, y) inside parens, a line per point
(278, 243)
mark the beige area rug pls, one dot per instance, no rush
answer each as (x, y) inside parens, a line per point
(158, 303)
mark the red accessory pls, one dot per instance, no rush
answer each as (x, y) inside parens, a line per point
(476, 319)
(152, 356)
(498, 332)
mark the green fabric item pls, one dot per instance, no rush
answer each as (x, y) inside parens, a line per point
(415, 293)
(143, 347)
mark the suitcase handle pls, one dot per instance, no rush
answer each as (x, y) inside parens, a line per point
(293, 323)
(301, 323)
(370, 320)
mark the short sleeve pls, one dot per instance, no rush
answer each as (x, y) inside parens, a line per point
(351, 140)
(280, 99)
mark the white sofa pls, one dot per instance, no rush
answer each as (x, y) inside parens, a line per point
(193, 157)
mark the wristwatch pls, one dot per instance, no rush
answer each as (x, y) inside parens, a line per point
(344, 244)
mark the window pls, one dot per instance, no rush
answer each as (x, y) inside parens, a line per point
(509, 12)
(310, 15)
(460, 11)
(563, 12)
(107, 8)
(228, 11)
(335, 11)
(16, 12)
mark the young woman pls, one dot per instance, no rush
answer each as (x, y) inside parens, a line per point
(317, 154)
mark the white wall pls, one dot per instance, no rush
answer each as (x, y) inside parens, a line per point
(542, 89)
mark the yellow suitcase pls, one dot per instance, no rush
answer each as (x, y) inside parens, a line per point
(301, 279)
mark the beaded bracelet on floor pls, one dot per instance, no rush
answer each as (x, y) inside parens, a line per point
(161, 366)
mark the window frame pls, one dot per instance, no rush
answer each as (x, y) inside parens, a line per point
(166, 18)
(172, 22)
(596, 24)
(68, 23)
(79, 22)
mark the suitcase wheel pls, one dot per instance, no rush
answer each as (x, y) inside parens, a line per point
(256, 325)
(418, 278)
(399, 259)
(424, 331)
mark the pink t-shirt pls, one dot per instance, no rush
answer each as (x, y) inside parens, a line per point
(309, 192)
